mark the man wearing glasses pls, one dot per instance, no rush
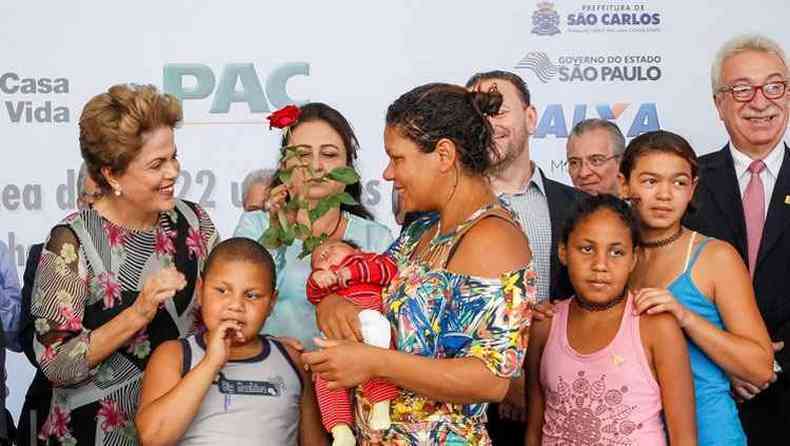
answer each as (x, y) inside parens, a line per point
(594, 150)
(743, 197)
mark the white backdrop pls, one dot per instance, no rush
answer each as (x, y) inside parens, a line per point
(644, 64)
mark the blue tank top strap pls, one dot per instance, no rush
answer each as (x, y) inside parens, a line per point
(697, 251)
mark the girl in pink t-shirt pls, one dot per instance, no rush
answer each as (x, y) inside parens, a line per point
(598, 373)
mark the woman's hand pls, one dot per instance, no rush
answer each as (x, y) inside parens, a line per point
(219, 340)
(339, 319)
(275, 206)
(542, 311)
(342, 364)
(276, 201)
(158, 287)
(659, 300)
(290, 342)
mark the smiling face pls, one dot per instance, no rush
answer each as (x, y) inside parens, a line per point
(413, 172)
(582, 151)
(599, 255)
(236, 290)
(512, 125)
(322, 151)
(147, 183)
(663, 185)
(758, 125)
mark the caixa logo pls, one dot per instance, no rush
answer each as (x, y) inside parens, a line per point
(553, 120)
(234, 83)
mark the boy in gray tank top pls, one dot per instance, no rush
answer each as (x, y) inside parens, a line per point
(227, 384)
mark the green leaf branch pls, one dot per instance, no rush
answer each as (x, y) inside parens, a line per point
(283, 231)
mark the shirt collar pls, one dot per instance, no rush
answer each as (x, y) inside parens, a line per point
(537, 179)
(773, 162)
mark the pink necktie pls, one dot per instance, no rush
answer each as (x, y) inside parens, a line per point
(754, 211)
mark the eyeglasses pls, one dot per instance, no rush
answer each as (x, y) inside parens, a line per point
(745, 93)
(575, 164)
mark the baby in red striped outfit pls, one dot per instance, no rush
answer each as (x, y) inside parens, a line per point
(340, 267)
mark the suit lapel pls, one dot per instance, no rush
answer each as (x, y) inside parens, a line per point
(556, 203)
(778, 218)
(723, 187)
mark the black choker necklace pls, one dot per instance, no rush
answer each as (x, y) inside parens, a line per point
(667, 241)
(595, 306)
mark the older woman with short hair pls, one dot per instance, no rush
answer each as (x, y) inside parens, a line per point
(118, 278)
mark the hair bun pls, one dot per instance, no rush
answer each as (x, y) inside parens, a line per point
(486, 102)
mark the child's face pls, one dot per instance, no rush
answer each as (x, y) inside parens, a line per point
(331, 253)
(236, 290)
(663, 184)
(599, 255)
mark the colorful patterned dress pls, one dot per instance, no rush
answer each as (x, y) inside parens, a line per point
(440, 314)
(90, 271)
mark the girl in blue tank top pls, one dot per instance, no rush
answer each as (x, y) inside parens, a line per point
(703, 282)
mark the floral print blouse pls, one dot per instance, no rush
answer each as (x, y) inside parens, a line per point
(90, 271)
(440, 314)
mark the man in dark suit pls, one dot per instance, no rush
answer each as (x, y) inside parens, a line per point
(743, 197)
(542, 205)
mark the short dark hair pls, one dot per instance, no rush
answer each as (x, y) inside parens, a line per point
(502, 75)
(241, 249)
(431, 112)
(592, 204)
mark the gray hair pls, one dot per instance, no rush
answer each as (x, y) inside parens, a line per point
(615, 135)
(262, 176)
(739, 44)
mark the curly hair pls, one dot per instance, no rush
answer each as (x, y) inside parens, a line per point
(435, 111)
(594, 203)
(501, 75)
(112, 126)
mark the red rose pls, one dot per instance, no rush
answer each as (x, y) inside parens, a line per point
(284, 117)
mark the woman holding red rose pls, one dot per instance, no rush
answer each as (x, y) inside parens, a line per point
(326, 142)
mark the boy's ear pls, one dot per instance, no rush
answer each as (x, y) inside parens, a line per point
(563, 254)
